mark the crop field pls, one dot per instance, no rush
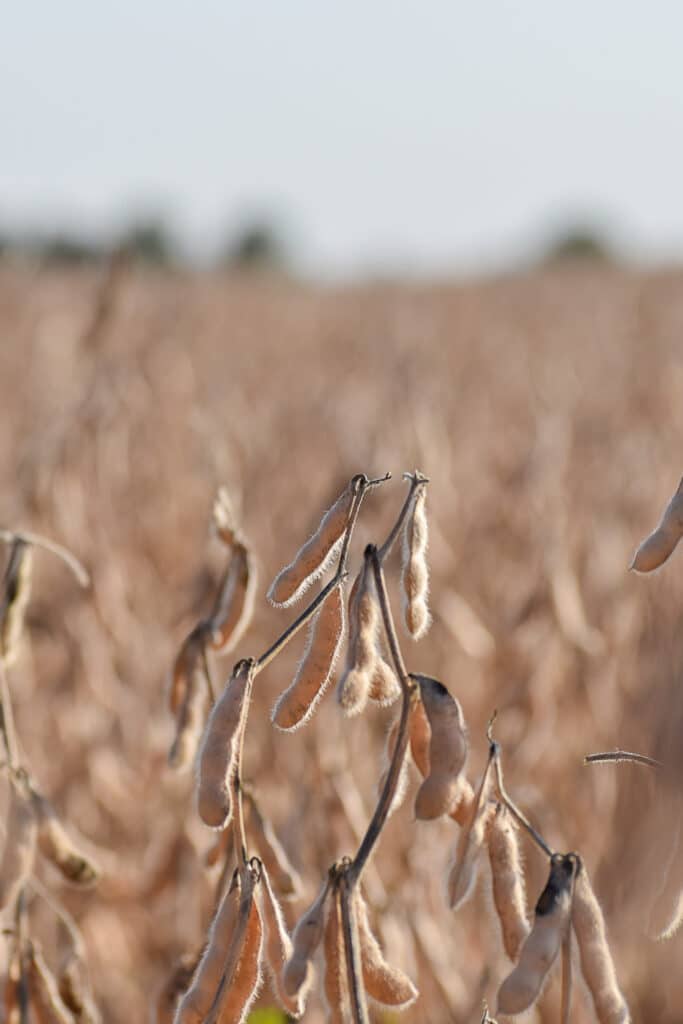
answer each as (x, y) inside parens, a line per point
(546, 409)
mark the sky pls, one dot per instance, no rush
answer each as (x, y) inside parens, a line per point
(433, 137)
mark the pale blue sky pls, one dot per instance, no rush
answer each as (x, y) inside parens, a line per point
(431, 135)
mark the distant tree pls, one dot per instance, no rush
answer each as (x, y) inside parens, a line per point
(578, 244)
(149, 242)
(256, 247)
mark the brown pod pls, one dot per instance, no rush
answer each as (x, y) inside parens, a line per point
(335, 982)
(189, 661)
(221, 846)
(597, 965)
(402, 783)
(297, 974)
(74, 988)
(656, 548)
(440, 790)
(279, 947)
(523, 985)
(326, 633)
(243, 989)
(19, 850)
(507, 879)
(385, 688)
(190, 722)
(234, 606)
(46, 1002)
(383, 983)
(462, 812)
(216, 755)
(415, 571)
(354, 683)
(316, 555)
(283, 874)
(420, 738)
(465, 865)
(16, 587)
(57, 846)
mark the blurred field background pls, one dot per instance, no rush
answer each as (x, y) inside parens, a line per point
(546, 409)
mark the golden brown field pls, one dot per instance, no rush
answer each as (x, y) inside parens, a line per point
(547, 410)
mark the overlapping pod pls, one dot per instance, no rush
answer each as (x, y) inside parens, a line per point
(597, 965)
(243, 989)
(74, 989)
(420, 738)
(366, 674)
(415, 571)
(57, 846)
(234, 605)
(19, 850)
(507, 879)
(190, 721)
(279, 947)
(523, 985)
(316, 555)
(325, 636)
(188, 662)
(46, 1002)
(385, 984)
(656, 548)
(441, 789)
(335, 981)
(281, 871)
(173, 988)
(16, 587)
(297, 974)
(666, 913)
(217, 753)
(465, 865)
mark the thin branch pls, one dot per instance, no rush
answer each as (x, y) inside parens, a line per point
(514, 810)
(354, 970)
(22, 939)
(7, 727)
(70, 560)
(566, 977)
(622, 755)
(265, 659)
(373, 554)
(416, 480)
(207, 672)
(63, 916)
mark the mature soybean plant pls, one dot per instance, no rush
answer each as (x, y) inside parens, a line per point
(247, 932)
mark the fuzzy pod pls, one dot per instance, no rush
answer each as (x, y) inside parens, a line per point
(281, 871)
(239, 996)
(56, 845)
(317, 554)
(198, 998)
(448, 746)
(415, 570)
(308, 934)
(16, 586)
(597, 965)
(234, 605)
(19, 851)
(385, 984)
(335, 981)
(464, 868)
(217, 752)
(385, 688)
(188, 662)
(354, 683)
(507, 879)
(462, 812)
(523, 985)
(190, 721)
(278, 946)
(325, 637)
(656, 548)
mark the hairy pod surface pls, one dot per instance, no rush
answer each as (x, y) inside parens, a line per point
(19, 850)
(242, 991)
(415, 570)
(335, 982)
(325, 637)
(279, 947)
(440, 790)
(190, 721)
(385, 984)
(507, 879)
(315, 556)
(308, 934)
(656, 548)
(354, 684)
(234, 606)
(462, 875)
(597, 965)
(523, 985)
(217, 752)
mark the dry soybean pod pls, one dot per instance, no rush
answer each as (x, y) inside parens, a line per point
(656, 548)
(384, 686)
(188, 658)
(243, 988)
(325, 635)
(297, 974)
(336, 984)
(317, 554)
(57, 846)
(16, 586)
(523, 985)
(385, 984)
(234, 604)
(172, 989)
(198, 999)
(19, 850)
(420, 738)
(507, 879)
(354, 683)
(463, 871)
(270, 850)
(597, 965)
(279, 946)
(74, 988)
(217, 752)
(46, 1002)
(440, 791)
(190, 720)
(414, 570)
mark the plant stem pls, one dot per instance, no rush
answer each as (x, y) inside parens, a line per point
(416, 479)
(566, 977)
(622, 755)
(70, 560)
(207, 672)
(354, 970)
(512, 806)
(22, 940)
(9, 733)
(239, 833)
(265, 659)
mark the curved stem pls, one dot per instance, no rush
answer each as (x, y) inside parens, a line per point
(7, 728)
(70, 560)
(514, 810)
(416, 480)
(622, 755)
